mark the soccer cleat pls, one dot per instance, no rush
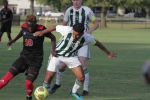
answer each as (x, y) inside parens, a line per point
(29, 98)
(76, 95)
(54, 88)
(85, 93)
(9, 48)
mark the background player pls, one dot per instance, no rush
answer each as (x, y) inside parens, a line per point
(31, 57)
(69, 43)
(78, 14)
(6, 21)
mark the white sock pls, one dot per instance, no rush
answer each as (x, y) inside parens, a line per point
(60, 74)
(86, 82)
(76, 86)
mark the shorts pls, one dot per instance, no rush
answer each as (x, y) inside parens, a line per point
(5, 28)
(55, 62)
(84, 52)
(23, 64)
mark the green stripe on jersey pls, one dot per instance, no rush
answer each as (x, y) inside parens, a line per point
(65, 43)
(83, 16)
(79, 46)
(77, 17)
(71, 17)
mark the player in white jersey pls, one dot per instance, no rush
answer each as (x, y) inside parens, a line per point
(78, 14)
(69, 43)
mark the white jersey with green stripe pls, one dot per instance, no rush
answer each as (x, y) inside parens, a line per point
(67, 46)
(83, 15)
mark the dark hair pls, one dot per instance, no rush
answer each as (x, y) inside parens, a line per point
(31, 18)
(5, 1)
(78, 27)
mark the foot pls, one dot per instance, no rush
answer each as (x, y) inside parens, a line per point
(29, 98)
(76, 95)
(54, 88)
(85, 93)
(9, 48)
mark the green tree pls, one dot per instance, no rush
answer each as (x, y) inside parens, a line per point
(1, 2)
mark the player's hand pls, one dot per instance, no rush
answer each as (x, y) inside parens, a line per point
(39, 33)
(10, 43)
(112, 54)
(54, 53)
(89, 32)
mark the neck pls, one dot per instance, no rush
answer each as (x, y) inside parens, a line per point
(77, 8)
(5, 7)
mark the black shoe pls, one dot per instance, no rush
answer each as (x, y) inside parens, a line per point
(85, 93)
(29, 98)
(54, 88)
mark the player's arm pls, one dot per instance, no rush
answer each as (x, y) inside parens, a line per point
(41, 33)
(16, 38)
(64, 23)
(102, 47)
(53, 43)
(96, 25)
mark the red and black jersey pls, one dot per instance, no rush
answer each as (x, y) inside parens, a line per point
(6, 14)
(33, 46)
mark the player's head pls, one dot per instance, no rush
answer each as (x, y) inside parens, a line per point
(5, 3)
(78, 30)
(77, 3)
(31, 22)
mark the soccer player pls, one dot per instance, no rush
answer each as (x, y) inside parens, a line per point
(146, 72)
(31, 57)
(78, 14)
(72, 39)
(6, 19)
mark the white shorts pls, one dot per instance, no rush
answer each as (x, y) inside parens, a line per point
(55, 62)
(84, 51)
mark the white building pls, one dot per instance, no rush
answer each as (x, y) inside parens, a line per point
(23, 6)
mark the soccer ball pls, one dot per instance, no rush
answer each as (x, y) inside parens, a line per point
(41, 93)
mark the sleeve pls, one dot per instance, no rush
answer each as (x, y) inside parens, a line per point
(91, 15)
(66, 16)
(63, 29)
(47, 34)
(90, 40)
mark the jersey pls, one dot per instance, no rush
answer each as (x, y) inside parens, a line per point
(83, 15)
(67, 46)
(33, 46)
(6, 14)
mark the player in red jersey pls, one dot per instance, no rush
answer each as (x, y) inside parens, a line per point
(31, 57)
(6, 20)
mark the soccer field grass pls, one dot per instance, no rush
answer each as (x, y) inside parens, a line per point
(110, 79)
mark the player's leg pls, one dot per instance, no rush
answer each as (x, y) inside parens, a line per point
(59, 76)
(1, 34)
(9, 36)
(78, 71)
(31, 77)
(84, 54)
(16, 68)
(52, 67)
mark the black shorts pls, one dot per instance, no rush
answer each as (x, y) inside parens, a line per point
(23, 64)
(5, 28)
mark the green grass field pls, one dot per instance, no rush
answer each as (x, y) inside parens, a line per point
(110, 79)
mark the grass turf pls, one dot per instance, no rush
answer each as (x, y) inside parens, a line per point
(110, 79)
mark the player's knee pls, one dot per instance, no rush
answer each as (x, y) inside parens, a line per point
(31, 77)
(81, 79)
(13, 70)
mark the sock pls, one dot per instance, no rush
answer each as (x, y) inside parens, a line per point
(46, 85)
(10, 39)
(60, 74)
(86, 81)
(0, 39)
(29, 87)
(76, 86)
(4, 81)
